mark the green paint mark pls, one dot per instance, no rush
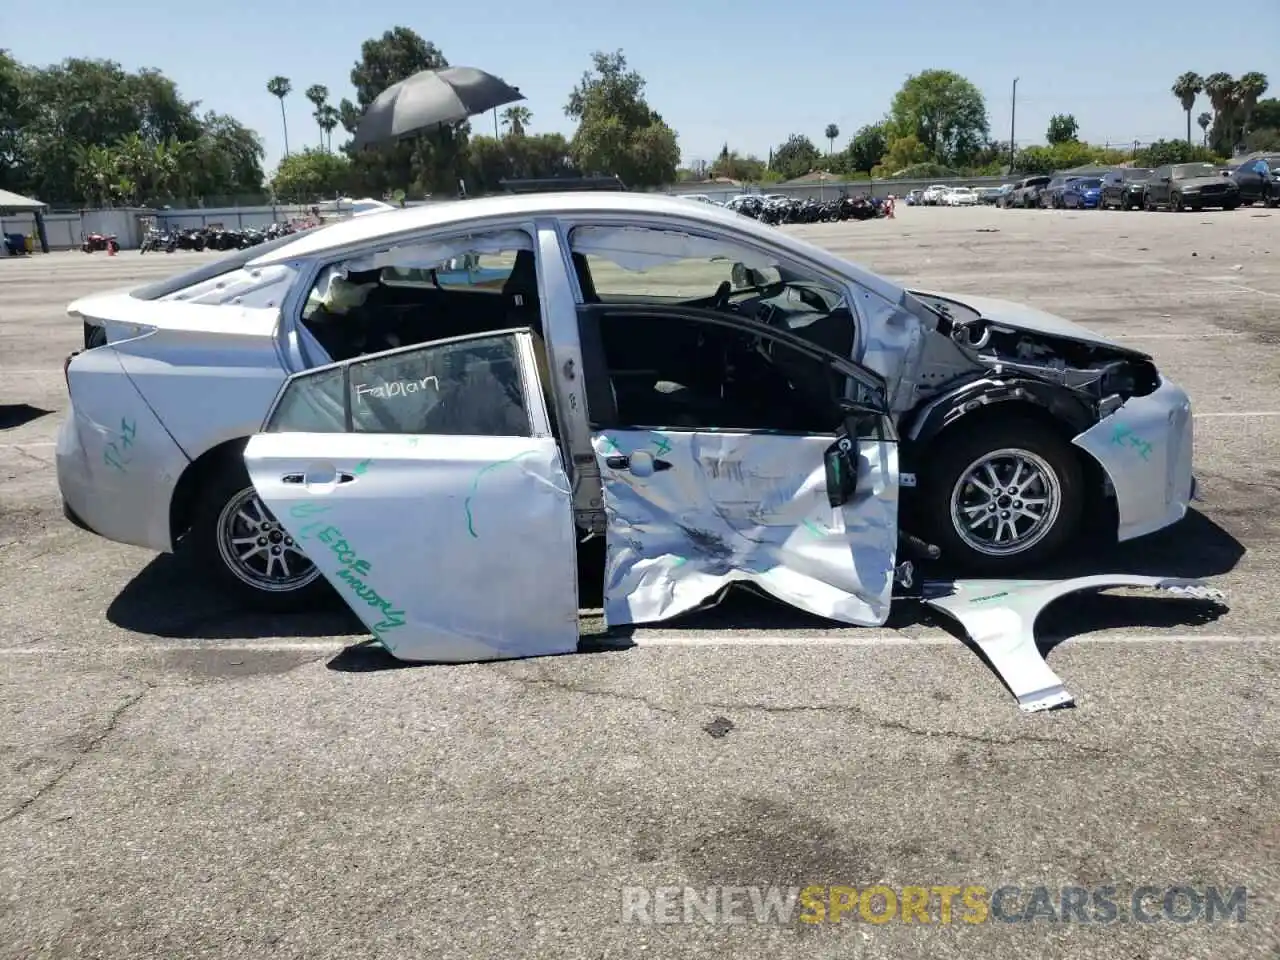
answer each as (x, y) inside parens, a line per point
(361, 467)
(663, 445)
(306, 510)
(354, 573)
(1122, 436)
(814, 528)
(611, 445)
(680, 561)
(466, 504)
(114, 453)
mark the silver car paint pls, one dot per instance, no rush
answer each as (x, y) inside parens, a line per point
(1000, 617)
(1019, 316)
(744, 508)
(117, 465)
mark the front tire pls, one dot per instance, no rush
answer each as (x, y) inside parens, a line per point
(251, 556)
(1003, 496)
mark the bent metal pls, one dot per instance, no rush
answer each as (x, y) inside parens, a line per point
(397, 388)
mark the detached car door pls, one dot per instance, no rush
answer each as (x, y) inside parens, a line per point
(426, 484)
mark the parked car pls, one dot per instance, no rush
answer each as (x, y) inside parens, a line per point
(1050, 198)
(1026, 192)
(1190, 186)
(1258, 180)
(989, 195)
(1082, 194)
(432, 409)
(961, 197)
(933, 194)
(915, 198)
(1123, 188)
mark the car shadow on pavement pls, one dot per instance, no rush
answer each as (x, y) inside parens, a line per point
(170, 599)
(19, 414)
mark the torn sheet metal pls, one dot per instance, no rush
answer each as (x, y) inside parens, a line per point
(1000, 617)
(1145, 448)
(643, 248)
(691, 513)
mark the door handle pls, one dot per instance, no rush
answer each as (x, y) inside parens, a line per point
(302, 478)
(624, 463)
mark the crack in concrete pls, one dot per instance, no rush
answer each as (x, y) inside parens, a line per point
(94, 743)
(852, 710)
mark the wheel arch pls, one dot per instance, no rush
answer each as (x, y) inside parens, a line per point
(1055, 408)
(194, 478)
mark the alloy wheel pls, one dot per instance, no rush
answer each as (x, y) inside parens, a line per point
(1005, 502)
(258, 550)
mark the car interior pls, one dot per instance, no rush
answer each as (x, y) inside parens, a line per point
(661, 364)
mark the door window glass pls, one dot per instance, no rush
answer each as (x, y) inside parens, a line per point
(470, 387)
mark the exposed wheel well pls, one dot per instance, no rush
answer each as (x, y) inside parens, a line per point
(1096, 507)
(193, 480)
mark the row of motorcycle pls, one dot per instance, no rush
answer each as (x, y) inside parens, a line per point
(212, 238)
(811, 210)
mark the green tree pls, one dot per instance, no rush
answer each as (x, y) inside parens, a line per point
(1266, 115)
(311, 175)
(515, 119)
(1173, 151)
(318, 95)
(1062, 129)
(133, 133)
(1221, 90)
(618, 132)
(831, 133)
(1251, 86)
(281, 87)
(732, 165)
(944, 112)
(1186, 88)
(1203, 122)
(796, 157)
(328, 118)
(904, 152)
(427, 163)
(867, 148)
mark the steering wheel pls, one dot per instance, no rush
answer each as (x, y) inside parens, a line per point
(721, 299)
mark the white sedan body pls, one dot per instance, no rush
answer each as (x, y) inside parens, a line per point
(961, 197)
(438, 463)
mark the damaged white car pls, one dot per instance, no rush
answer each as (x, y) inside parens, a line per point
(442, 410)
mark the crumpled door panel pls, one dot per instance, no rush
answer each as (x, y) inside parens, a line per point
(691, 513)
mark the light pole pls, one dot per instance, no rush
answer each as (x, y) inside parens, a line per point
(1013, 125)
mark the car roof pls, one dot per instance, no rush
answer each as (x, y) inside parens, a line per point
(330, 240)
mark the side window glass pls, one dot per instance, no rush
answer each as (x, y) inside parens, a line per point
(470, 388)
(464, 388)
(312, 403)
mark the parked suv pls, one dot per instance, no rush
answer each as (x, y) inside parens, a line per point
(1190, 186)
(1051, 196)
(1025, 192)
(1259, 180)
(1122, 189)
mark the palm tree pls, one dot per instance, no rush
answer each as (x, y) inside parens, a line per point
(281, 87)
(831, 132)
(328, 117)
(1186, 88)
(318, 94)
(1204, 120)
(1252, 86)
(515, 119)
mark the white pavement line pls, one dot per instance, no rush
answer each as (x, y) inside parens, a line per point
(1238, 414)
(728, 640)
(1179, 273)
(30, 443)
(40, 371)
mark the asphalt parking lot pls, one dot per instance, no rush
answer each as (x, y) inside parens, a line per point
(183, 780)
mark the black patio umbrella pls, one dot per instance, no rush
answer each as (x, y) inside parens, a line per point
(429, 99)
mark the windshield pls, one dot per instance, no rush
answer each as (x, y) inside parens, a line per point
(1087, 184)
(1135, 174)
(1189, 171)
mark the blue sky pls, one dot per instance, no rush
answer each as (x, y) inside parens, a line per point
(718, 71)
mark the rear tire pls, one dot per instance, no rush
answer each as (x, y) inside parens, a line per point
(1037, 521)
(228, 509)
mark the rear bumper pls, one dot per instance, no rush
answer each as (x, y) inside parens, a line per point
(1145, 448)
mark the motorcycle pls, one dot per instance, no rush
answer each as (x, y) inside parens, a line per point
(99, 241)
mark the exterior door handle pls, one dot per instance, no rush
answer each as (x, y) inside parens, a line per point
(302, 478)
(625, 463)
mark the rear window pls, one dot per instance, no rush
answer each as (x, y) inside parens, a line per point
(209, 270)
